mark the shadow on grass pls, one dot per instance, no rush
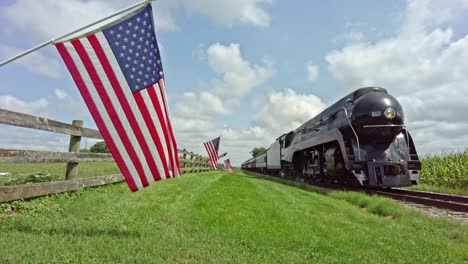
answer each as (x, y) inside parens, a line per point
(82, 232)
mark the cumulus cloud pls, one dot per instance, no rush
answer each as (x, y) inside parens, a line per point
(50, 18)
(61, 94)
(203, 104)
(196, 113)
(221, 96)
(58, 103)
(35, 107)
(54, 106)
(276, 118)
(227, 12)
(35, 62)
(423, 65)
(29, 139)
(239, 75)
(237, 141)
(65, 104)
(21, 138)
(312, 72)
(271, 120)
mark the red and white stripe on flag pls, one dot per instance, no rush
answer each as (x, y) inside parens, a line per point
(212, 154)
(135, 125)
(227, 163)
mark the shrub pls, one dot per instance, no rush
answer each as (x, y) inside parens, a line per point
(99, 147)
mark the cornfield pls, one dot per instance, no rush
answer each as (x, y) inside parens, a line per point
(447, 170)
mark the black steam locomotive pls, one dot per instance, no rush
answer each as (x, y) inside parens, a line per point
(359, 140)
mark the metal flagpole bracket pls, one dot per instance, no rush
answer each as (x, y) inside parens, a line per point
(54, 40)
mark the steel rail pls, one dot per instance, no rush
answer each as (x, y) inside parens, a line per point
(419, 198)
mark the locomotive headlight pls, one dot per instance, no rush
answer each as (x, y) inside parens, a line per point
(389, 113)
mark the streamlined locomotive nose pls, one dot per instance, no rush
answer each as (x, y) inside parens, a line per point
(377, 116)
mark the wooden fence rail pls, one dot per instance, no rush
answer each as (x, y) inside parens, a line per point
(189, 161)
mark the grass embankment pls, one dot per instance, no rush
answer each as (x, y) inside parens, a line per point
(447, 174)
(43, 172)
(216, 217)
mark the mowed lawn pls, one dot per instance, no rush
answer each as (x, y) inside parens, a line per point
(222, 218)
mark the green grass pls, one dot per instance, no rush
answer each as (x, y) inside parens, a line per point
(223, 218)
(39, 172)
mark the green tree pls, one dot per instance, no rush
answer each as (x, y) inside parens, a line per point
(257, 151)
(99, 147)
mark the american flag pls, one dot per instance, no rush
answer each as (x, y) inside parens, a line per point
(119, 73)
(227, 163)
(220, 156)
(212, 147)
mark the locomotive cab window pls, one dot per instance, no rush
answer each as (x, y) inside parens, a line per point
(288, 139)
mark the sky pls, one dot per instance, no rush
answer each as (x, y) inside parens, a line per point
(251, 70)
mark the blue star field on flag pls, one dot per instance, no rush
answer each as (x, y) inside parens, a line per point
(134, 43)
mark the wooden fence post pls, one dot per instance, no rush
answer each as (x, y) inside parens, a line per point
(197, 163)
(205, 164)
(191, 161)
(74, 146)
(184, 158)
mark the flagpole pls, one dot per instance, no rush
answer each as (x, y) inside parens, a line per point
(52, 41)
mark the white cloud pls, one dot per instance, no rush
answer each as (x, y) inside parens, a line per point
(272, 120)
(287, 110)
(203, 105)
(423, 65)
(221, 96)
(30, 139)
(35, 62)
(61, 94)
(196, 113)
(237, 141)
(239, 75)
(35, 107)
(312, 72)
(60, 103)
(52, 106)
(228, 13)
(74, 108)
(51, 18)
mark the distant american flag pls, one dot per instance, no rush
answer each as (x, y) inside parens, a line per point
(119, 73)
(212, 147)
(227, 163)
(220, 156)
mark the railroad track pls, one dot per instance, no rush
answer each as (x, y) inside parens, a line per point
(439, 200)
(443, 201)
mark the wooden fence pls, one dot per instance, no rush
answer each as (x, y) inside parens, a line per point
(189, 161)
